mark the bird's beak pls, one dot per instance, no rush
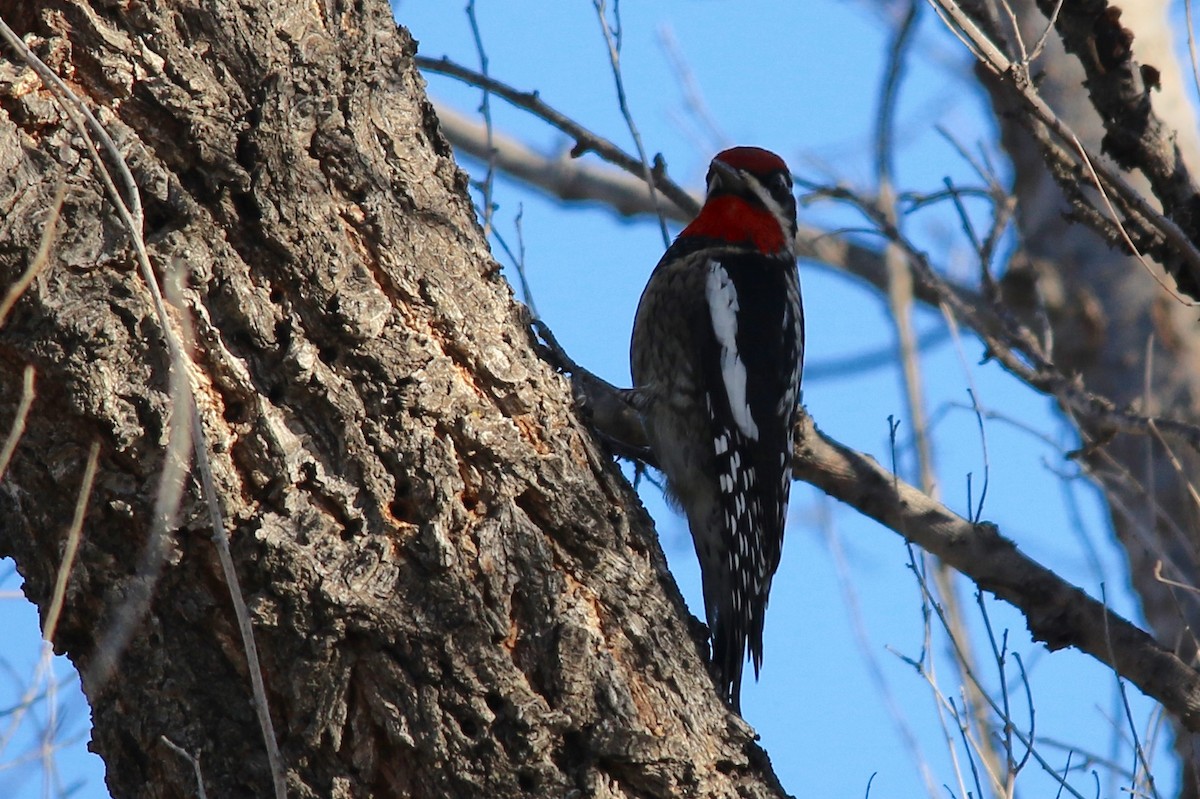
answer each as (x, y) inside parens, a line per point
(727, 178)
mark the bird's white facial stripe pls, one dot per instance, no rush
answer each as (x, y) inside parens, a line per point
(772, 205)
(723, 310)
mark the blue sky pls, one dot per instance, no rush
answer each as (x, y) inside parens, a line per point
(802, 79)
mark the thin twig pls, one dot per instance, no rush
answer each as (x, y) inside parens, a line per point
(1158, 575)
(129, 210)
(1139, 753)
(195, 761)
(1112, 212)
(485, 108)
(867, 652)
(220, 539)
(519, 264)
(999, 655)
(1191, 40)
(689, 87)
(612, 39)
(17, 428)
(74, 534)
(1041, 42)
(585, 140)
(40, 259)
(975, 509)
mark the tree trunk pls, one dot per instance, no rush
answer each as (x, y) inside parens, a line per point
(454, 593)
(1115, 326)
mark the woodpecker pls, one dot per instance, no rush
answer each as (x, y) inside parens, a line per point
(716, 356)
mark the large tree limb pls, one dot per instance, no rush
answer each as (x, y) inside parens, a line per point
(1057, 613)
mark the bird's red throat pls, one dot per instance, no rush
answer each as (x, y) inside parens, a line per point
(732, 219)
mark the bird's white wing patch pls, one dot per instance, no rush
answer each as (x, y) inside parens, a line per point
(723, 311)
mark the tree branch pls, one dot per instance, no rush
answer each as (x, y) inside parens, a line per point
(1119, 88)
(1057, 613)
(562, 177)
(585, 140)
(1011, 344)
(1177, 251)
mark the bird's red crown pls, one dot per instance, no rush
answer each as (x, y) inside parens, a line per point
(755, 160)
(737, 217)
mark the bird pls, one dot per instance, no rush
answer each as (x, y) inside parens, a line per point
(716, 356)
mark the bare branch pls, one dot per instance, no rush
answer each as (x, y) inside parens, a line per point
(18, 424)
(40, 259)
(1180, 257)
(1057, 613)
(585, 140)
(74, 534)
(612, 39)
(195, 761)
(1016, 348)
(485, 108)
(1119, 89)
(561, 177)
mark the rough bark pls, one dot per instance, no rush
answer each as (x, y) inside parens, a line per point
(1120, 331)
(454, 593)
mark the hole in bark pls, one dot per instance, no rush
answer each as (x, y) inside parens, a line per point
(401, 505)
(235, 412)
(241, 342)
(283, 333)
(527, 781)
(469, 499)
(469, 727)
(573, 756)
(246, 206)
(328, 354)
(495, 702)
(401, 509)
(160, 219)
